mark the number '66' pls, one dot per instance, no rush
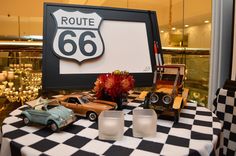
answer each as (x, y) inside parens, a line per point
(82, 43)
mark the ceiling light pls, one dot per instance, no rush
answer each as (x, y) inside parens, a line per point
(186, 25)
(206, 21)
(173, 28)
(162, 31)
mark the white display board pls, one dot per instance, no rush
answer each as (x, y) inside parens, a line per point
(129, 53)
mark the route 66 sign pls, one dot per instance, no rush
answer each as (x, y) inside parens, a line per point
(77, 36)
(80, 42)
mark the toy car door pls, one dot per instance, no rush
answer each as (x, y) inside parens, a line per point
(38, 116)
(72, 103)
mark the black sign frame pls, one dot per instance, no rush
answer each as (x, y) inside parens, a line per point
(53, 80)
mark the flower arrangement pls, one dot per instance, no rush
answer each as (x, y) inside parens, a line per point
(114, 84)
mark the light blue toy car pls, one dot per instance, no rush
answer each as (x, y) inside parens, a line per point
(48, 112)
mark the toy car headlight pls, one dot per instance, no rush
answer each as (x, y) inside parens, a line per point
(154, 98)
(167, 99)
(60, 118)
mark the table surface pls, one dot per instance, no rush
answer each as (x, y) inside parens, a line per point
(196, 133)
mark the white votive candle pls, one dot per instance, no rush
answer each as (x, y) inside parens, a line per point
(144, 124)
(110, 127)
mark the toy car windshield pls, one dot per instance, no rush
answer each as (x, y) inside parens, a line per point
(44, 107)
(169, 76)
(86, 95)
(84, 99)
(40, 103)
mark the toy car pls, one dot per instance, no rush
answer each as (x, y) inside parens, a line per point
(48, 112)
(168, 95)
(84, 105)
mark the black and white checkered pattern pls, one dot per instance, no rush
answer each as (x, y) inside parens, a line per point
(196, 134)
(225, 109)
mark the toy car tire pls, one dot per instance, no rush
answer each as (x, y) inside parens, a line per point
(92, 116)
(26, 120)
(53, 126)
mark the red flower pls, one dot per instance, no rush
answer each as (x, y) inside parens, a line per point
(113, 84)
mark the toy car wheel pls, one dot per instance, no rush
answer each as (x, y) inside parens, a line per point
(26, 120)
(53, 126)
(154, 98)
(167, 99)
(92, 116)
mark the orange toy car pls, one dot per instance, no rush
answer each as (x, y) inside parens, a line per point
(168, 95)
(85, 105)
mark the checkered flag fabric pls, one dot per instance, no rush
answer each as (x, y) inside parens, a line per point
(225, 109)
(196, 134)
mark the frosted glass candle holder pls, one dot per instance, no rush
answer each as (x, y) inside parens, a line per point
(111, 125)
(144, 123)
